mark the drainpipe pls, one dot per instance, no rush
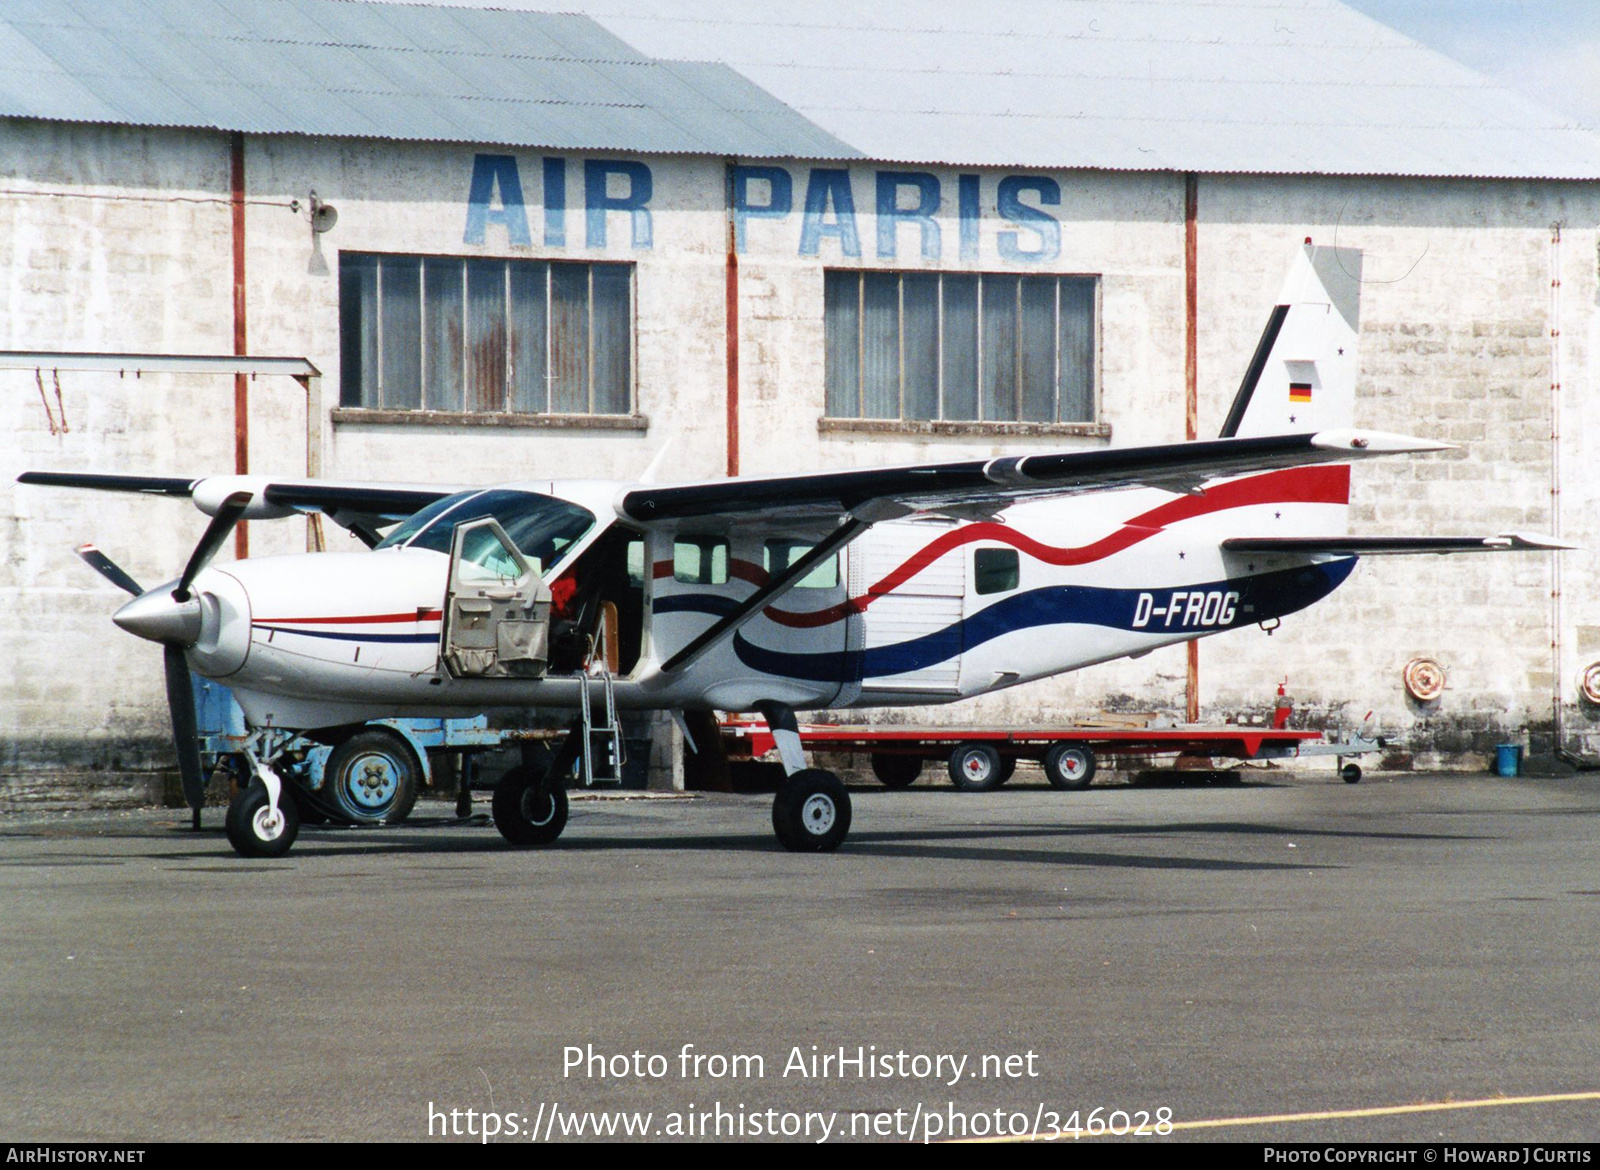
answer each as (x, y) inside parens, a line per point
(241, 383)
(1557, 616)
(731, 306)
(1191, 404)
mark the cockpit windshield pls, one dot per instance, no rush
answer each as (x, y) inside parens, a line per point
(542, 527)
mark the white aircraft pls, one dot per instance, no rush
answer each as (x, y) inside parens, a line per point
(837, 589)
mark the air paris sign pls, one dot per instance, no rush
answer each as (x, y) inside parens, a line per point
(818, 212)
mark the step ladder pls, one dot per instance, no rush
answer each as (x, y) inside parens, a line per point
(603, 751)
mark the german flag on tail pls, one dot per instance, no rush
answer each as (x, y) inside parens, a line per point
(1299, 391)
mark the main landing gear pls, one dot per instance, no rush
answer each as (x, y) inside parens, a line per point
(811, 813)
(530, 801)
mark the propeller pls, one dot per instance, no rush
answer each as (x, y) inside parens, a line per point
(185, 728)
(215, 535)
(172, 618)
(107, 568)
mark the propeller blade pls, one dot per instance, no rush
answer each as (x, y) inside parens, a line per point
(185, 728)
(216, 533)
(107, 568)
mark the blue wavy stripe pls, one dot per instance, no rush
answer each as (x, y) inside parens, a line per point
(1261, 598)
(412, 639)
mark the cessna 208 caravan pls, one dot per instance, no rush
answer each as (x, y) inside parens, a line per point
(836, 589)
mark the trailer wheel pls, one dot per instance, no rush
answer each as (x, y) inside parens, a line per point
(896, 771)
(811, 813)
(251, 829)
(371, 778)
(527, 810)
(1069, 766)
(1350, 773)
(1008, 769)
(975, 767)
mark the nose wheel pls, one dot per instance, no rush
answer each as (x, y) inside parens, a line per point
(258, 828)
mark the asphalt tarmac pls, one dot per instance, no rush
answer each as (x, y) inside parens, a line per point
(1293, 946)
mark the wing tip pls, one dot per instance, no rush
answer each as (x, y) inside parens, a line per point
(1359, 442)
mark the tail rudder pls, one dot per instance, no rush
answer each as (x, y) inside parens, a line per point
(1302, 377)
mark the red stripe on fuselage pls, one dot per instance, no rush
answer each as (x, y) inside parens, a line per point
(414, 615)
(1293, 485)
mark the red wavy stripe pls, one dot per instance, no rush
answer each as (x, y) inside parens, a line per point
(1294, 485)
(414, 615)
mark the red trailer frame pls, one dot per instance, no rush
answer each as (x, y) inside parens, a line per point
(981, 758)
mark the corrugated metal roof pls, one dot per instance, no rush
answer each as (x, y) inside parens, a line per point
(394, 71)
(1232, 86)
(1277, 86)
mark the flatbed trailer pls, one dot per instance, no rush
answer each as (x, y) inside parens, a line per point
(983, 758)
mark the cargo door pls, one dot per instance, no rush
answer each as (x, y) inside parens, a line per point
(911, 635)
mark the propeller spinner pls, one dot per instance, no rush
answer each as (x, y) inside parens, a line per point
(173, 618)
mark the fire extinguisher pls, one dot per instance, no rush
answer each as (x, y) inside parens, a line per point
(1283, 708)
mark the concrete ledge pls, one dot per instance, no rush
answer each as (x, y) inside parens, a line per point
(352, 415)
(51, 791)
(903, 427)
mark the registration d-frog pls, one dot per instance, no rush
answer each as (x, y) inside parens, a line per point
(822, 591)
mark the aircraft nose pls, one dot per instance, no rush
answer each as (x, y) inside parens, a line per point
(159, 617)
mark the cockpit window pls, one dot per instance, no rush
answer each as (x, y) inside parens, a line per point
(542, 527)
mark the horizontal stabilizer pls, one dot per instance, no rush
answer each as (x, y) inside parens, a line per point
(1390, 546)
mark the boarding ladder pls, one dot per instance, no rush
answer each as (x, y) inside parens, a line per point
(603, 752)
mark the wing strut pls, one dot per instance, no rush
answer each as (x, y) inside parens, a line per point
(848, 529)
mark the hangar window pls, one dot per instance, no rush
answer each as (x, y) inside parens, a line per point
(963, 347)
(461, 335)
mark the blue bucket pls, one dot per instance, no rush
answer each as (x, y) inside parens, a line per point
(1508, 759)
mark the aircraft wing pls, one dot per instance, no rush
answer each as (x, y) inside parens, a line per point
(838, 506)
(1391, 546)
(381, 503)
(878, 493)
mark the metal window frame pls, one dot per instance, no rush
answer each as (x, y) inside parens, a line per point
(374, 390)
(982, 292)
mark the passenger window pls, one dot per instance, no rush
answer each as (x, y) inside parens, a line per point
(778, 555)
(700, 560)
(996, 570)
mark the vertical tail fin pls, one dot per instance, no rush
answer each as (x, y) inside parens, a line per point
(1303, 375)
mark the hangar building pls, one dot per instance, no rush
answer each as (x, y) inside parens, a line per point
(567, 236)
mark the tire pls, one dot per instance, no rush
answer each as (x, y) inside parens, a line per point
(975, 767)
(371, 778)
(811, 813)
(1069, 767)
(526, 810)
(1350, 773)
(1008, 769)
(250, 830)
(896, 771)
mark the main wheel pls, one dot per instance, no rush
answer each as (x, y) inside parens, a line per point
(1350, 773)
(252, 829)
(1069, 766)
(811, 813)
(975, 767)
(371, 778)
(527, 811)
(896, 771)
